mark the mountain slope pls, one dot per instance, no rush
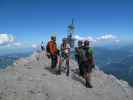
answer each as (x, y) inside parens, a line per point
(116, 61)
(31, 79)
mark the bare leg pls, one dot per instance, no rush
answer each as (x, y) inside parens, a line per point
(60, 63)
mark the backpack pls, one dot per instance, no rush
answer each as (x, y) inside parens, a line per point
(47, 48)
(77, 54)
(53, 50)
(48, 51)
(86, 55)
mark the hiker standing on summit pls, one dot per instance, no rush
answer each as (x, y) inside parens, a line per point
(53, 51)
(42, 46)
(77, 56)
(86, 62)
(65, 53)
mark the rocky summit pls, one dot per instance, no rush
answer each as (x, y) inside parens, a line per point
(32, 79)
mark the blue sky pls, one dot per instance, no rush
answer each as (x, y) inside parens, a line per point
(31, 21)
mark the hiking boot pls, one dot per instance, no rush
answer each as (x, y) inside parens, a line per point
(67, 73)
(81, 74)
(52, 67)
(88, 85)
(59, 72)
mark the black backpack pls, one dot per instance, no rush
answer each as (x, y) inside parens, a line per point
(47, 48)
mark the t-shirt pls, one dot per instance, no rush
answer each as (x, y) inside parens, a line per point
(65, 48)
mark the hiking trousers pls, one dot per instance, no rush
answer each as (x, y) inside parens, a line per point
(85, 67)
(53, 61)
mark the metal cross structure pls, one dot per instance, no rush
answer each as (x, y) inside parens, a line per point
(70, 38)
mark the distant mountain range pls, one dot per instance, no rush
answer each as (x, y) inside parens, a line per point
(9, 59)
(116, 61)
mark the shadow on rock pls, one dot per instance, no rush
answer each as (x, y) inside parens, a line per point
(77, 77)
(75, 71)
(53, 71)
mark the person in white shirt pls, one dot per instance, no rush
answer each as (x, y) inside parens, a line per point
(42, 46)
(65, 53)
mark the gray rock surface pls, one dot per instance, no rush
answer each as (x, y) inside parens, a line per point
(31, 79)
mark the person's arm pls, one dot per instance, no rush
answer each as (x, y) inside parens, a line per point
(91, 57)
(75, 54)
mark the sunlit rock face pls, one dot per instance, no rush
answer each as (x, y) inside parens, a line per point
(32, 79)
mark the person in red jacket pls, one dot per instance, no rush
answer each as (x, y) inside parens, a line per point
(53, 50)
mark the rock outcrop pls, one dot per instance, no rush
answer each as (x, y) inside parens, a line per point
(31, 79)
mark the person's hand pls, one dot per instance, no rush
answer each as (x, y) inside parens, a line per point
(58, 52)
(93, 66)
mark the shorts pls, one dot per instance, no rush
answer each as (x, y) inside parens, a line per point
(64, 55)
(86, 67)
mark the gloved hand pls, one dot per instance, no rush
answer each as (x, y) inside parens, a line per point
(48, 55)
(93, 66)
(58, 52)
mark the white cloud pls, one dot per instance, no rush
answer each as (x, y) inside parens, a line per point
(6, 39)
(106, 37)
(34, 45)
(77, 37)
(9, 40)
(101, 39)
(90, 39)
(17, 44)
(117, 41)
